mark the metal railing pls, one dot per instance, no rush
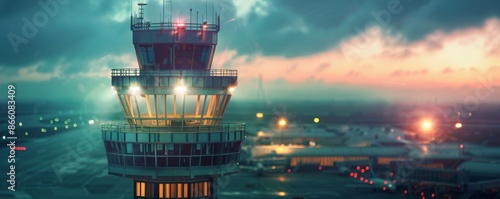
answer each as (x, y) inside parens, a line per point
(169, 73)
(138, 25)
(224, 127)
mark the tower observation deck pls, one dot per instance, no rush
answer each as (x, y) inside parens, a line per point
(173, 143)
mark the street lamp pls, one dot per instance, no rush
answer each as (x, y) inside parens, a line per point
(458, 126)
(282, 122)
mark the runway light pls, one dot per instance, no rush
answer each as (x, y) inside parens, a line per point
(361, 179)
(282, 122)
(20, 124)
(55, 128)
(458, 125)
(316, 120)
(91, 121)
(56, 119)
(426, 125)
(180, 90)
(259, 115)
(358, 168)
(362, 170)
(367, 168)
(134, 89)
(366, 180)
(66, 126)
(371, 181)
(26, 133)
(43, 130)
(75, 125)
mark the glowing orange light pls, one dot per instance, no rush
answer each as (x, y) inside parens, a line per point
(426, 125)
(282, 122)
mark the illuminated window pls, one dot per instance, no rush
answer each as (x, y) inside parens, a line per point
(143, 189)
(167, 190)
(173, 189)
(160, 190)
(137, 189)
(186, 190)
(205, 188)
(179, 191)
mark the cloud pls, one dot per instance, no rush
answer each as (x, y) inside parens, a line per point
(353, 73)
(448, 70)
(330, 22)
(29, 74)
(400, 72)
(323, 66)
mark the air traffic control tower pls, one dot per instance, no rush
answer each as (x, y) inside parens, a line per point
(174, 144)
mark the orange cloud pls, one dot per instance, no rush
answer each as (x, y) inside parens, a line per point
(389, 62)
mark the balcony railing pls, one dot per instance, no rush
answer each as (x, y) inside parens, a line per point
(176, 73)
(138, 25)
(224, 127)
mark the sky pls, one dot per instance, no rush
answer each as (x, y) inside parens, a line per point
(361, 50)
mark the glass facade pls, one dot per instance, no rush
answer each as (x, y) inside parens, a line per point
(165, 56)
(172, 155)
